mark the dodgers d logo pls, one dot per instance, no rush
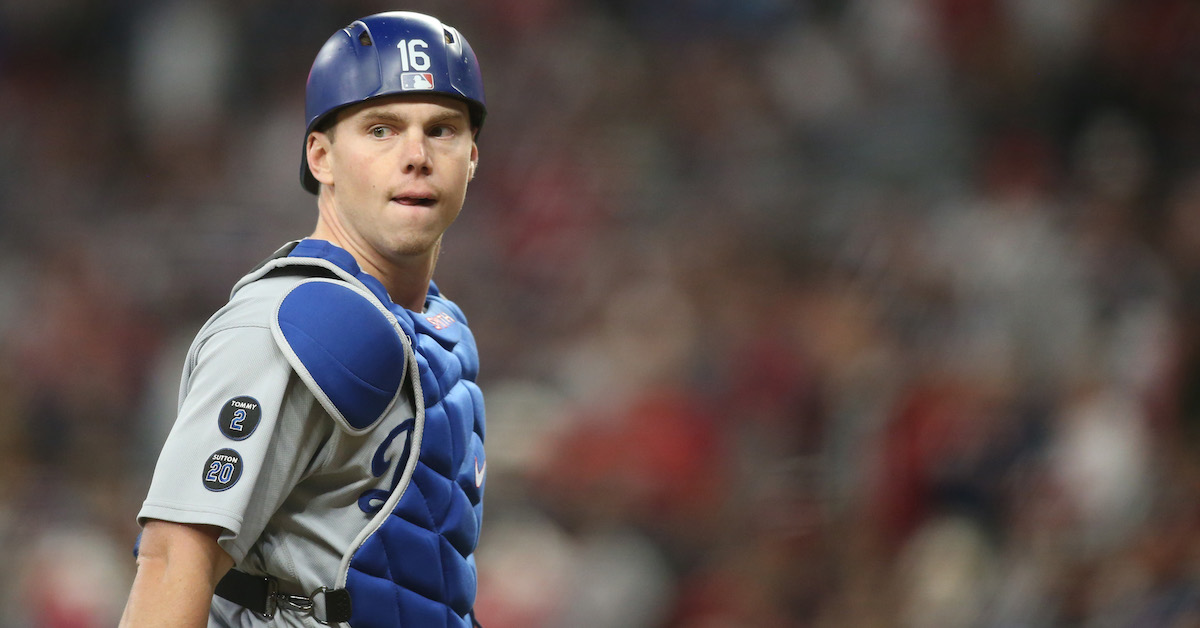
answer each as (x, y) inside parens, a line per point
(372, 500)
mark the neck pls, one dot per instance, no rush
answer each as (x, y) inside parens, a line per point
(406, 278)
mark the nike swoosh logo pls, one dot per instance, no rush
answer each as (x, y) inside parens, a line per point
(479, 473)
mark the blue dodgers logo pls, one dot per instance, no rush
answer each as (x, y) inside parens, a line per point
(372, 500)
(222, 470)
(239, 417)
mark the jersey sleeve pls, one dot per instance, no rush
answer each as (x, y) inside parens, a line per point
(240, 442)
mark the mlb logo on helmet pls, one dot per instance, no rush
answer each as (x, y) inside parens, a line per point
(416, 80)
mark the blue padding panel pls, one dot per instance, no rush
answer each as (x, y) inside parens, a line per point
(349, 347)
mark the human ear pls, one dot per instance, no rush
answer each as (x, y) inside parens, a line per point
(317, 152)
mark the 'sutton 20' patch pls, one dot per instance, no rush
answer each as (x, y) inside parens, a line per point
(222, 470)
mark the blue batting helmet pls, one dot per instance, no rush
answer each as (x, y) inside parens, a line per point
(399, 52)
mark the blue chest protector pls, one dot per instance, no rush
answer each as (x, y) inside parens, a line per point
(414, 566)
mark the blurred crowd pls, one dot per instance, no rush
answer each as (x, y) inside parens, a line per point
(793, 313)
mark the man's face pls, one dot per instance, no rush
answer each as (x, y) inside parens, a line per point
(397, 170)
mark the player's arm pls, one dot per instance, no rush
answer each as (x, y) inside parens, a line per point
(179, 566)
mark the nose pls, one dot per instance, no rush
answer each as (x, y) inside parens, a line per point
(416, 154)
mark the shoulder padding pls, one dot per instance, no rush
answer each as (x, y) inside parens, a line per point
(346, 346)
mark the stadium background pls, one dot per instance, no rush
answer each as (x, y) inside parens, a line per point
(829, 313)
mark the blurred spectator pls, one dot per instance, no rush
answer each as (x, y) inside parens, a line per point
(823, 313)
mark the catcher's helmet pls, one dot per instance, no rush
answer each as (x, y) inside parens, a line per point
(399, 52)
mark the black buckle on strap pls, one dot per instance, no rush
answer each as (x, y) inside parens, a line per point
(260, 595)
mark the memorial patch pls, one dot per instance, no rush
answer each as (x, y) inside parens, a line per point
(222, 470)
(239, 417)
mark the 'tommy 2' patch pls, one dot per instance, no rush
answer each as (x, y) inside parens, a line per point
(239, 417)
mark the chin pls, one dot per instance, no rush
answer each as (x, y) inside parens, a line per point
(407, 249)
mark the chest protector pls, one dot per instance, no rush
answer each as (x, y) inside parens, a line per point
(414, 564)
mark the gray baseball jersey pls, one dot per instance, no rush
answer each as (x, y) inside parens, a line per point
(253, 452)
